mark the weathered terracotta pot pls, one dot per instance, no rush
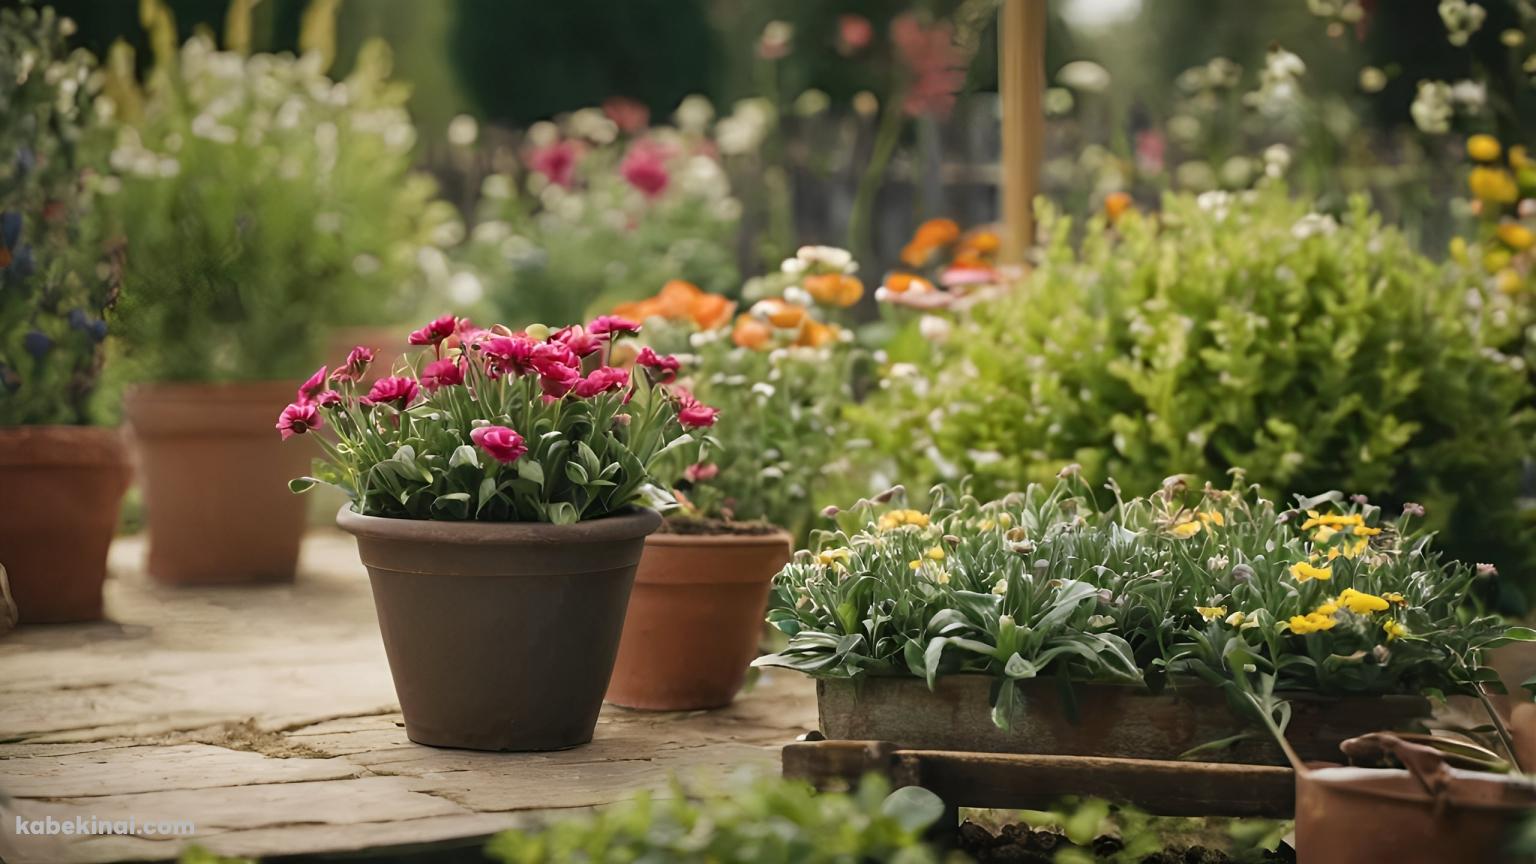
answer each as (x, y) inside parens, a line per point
(1111, 719)
(215, 474)
(694, 619)
(500, 636)
(1425, 813)
(60, 490)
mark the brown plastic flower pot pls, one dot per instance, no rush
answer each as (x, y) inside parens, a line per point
(215, 479)
(500, 636)
(695, 619)
(62, 487)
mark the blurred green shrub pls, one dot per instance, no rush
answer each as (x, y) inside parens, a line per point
(598, 215)
(262, 203)
(767, 821)
(56, 280)
(1228, 332)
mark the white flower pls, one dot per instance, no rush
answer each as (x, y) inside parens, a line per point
(1372, 79)
(593, 125)
(465, 288)
(1277, 158)
(763, 389)
(1000, 587)
(498, 186)
(1431, 108)
(935, 329)
(543, 134)
(1461, 20)
(825, 259)
(463, 130)
(1469, 94)
(1084, 75)
(694, 114)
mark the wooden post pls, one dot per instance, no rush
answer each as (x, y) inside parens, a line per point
(1021, 87)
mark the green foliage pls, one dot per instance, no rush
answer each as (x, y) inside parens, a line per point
(199, 855)
(765, 821)
(1219, 585)
(407, 448)
(56, 280)
(553, 252)
(262, 203)
(1226, 332)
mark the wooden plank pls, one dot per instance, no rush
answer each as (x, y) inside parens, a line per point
(1021, 83)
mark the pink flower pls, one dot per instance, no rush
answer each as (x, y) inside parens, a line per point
(298, 418)
(508, 354)
(626, 113)
(701, 472)
(436, 331)
(602, 380)
(441, 373)
(327, 398)
(609, 325)
(645, 168)
(394, 390)
(666, 367)
(692, 413)
(557, 380)
(935, 66)
(576, 338)
(358, 361)
(504, 444)
(556, 161)
(312, 387)
(550, 354)
(854, 33)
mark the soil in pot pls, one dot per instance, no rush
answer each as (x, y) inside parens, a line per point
(62, 486)
(500, 636)
(696, 615)
(215, 478)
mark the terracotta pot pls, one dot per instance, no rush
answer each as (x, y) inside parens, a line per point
(694, 619)
(1116, 720)
(62, 486)
(500, 636)
(215, 479)
(389, 345)
(1426, 812)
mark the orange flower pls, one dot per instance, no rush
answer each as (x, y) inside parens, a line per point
(676, 299)
(751, 333)
(780, 314)
(1115, 204)
(639, 310)
(712, 310)
(834, 289)
(901, 283)
(982, 241)
(930, 237)
(816, 334)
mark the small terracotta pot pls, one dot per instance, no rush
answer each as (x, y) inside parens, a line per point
(62, 487)
(500, 636)
(695, 619)
(215, 478)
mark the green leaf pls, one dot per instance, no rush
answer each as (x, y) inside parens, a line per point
(464, 455)
(575, 473)
(528, 469)
(913, 807)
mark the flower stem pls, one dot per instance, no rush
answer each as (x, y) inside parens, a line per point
(886, 138)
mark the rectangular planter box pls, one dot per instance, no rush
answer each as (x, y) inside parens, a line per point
(1112, 719)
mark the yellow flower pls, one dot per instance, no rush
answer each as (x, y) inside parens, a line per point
(1301, 571)
(1185, 530)
(1364, 531)
(1236, 619)
(1354, 549)
(832, 557)
(1516, 236)
(1312, 622)
(1496, 259)
(1327, 607)
(1000, 588)
(915, 563)
(1508, 281)
(1333, 552)
(898, 518)
(1493, 185)
(1394, 597)
(1459, 250)
(936, 553)
(1483, 148)
(942, 577)
(1324, 533)
(1393, 629)
(1518, 158)
(1361, 603)
(985, 525)
(1212, 518)
(1005, 519)
(1211, 613)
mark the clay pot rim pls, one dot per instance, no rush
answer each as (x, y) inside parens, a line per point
(198, 408)
(151, 392)
(628, 524)
(1398, 784)
(62, 446)
(776, 538)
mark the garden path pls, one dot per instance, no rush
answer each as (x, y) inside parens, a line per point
(266, 717)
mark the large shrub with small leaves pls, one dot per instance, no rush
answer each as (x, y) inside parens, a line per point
(1228, 332)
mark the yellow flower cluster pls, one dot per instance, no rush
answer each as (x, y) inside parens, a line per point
(899, 518)
(1211, 613)
(1325, 527)
(1301, 571)
(1357, 602)
(836, 558)
(1189, 527)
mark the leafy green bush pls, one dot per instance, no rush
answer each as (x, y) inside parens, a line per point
(766, 821)
(262, 203)
(56, 280)
(1228, 332)
(1209, 584)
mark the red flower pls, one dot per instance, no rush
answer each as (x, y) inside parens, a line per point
(854, 33)
(935, 66)
(504, 444)
(701, 472)
(666, 367)
(556, 161)
(436, 331)
(629, 115)
(602, 380)
(645, 168)
(394, 390)
(358, 361)
(312, 387)
(557, 380)
(298, 418)
(506, 354)
(692, 413)
(610, 325)
(441, 373)
(578, 339)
